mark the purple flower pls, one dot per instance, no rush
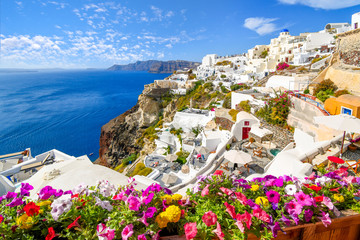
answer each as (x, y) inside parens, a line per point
(293, 207)
(147, 199)
(327, 202)
(274, 228)
(150, 212)
(273, 196)
(133, 203)
(127, 232)
(287, 178)
(155, 187)
(25, 189)
(46, 192)
(285, 220)
(104, 204)
(167, 191)
(143, 219)
(332, 175)
(295, 217)
(275, 206)
(58, 193)
(325, 219)
(15, 202)
(303, 199)
(68, 192)
(308, 215)
(250, 203)
(10, 195)
(279, 182)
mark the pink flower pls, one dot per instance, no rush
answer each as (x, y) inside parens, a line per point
(261, 214)
(127, 232)
(230, 209)
(205, 191)
(246, 217)
(303, 199)
(226, 191)
(293, 207)
(190, 230)
(349, 179)
(141, 237)
(121, 196)
(147, 199)
(209, 218)
(218, 231)
(134, 203)
(273, 196)
(325, 219)
(241, 197)
(327, 202)
(105, 232)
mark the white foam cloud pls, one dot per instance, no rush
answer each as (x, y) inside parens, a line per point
(261, 25)
(323, 4)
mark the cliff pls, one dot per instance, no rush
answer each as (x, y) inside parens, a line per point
(135, 130)
(154, 66)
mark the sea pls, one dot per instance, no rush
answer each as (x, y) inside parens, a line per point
(64, 109)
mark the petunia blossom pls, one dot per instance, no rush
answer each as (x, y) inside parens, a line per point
(218, 231)
(230, 209)
(190, 230)
(209, 218)
(74, 223)
(51, 234)
(104, 233)
(15, 202)
(25, 189)
(325, 219)
(133, 203)
(308, 213)
(226, 191)
(205, 191)
(303, 199)
(327, 202)
(104, 204)
(293, 207)
(290, 189)
(273, 196)
(127, 232)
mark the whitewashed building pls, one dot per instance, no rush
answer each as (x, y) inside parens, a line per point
(355, 20)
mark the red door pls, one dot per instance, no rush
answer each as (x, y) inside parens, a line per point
(245, 132)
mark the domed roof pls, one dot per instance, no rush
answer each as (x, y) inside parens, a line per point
(284, 30)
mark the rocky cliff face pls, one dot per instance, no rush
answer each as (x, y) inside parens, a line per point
(154, 66)
(118, 137)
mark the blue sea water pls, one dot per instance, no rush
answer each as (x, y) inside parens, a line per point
(64, 109)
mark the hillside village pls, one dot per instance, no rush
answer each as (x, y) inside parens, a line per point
(249, 115)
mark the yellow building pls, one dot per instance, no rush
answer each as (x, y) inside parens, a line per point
(347, 104)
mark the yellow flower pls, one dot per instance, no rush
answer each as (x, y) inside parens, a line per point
(168, 198)
(162, 220)
(177, 197)
(173, 213)
(254, 187)
(24, 221)
(262, 201)
(339, 198)
(43, 203)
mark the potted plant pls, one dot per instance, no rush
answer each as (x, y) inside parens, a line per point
(352, 147)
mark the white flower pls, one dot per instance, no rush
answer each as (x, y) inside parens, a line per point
(104, 204)
(290, 189)
(60, 205)
(323, 180)
(106, 189)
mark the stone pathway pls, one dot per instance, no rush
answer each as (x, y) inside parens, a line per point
(282, 137)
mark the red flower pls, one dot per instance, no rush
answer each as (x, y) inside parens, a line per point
(315, 188)
(1, 218)
(75, 223)
(31, 208)
(319, 198)
(218, 172)
(334, 189)
(51, 234)
(75, 196)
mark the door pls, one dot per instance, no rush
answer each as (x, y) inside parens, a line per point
(245, 132)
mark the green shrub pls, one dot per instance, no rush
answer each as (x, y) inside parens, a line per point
(235, 87)
(323, 95)
(306, 91)
(325, 85)
(223, 76)
(227, 101)
(228, 146)
(245, 106)
(224, 89)
(264, 54)
(233, 113)
(341, 92)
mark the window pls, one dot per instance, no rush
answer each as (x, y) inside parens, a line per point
(246, 123)
(356, 26)
(345, 110)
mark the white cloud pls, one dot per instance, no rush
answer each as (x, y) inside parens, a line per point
(261, 25)
(60, 5)
(159, 15)
(323, 4)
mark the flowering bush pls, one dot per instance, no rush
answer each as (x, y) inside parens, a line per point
(230, 208)
(101, 212)
(282, 66)
(277, 109)
(218, 206)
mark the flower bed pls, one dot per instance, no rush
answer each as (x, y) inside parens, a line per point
(219, 207)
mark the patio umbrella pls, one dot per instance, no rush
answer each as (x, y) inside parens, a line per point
(169, 178)
(202, 150)
(341, 122)
(185, 169)
(171, 157)
(239, 157)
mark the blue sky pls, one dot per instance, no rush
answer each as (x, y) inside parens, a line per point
(92, 33)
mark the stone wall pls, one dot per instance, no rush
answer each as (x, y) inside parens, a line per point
(224, 123)
(302, 117)
(348, 47)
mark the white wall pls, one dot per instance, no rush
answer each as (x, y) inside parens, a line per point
(209, 60)
(355, 18)
(236, 98)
